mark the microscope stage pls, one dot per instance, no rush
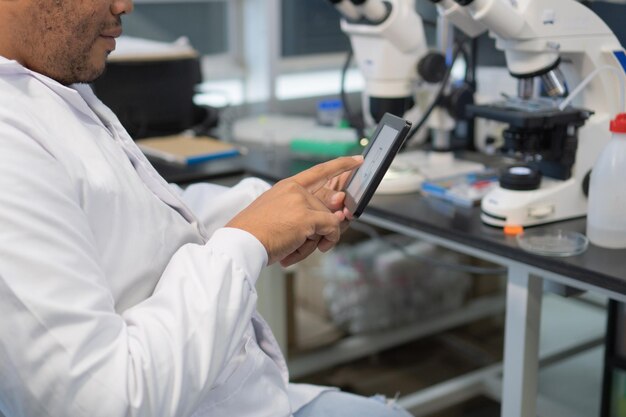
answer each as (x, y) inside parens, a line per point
(530, 118)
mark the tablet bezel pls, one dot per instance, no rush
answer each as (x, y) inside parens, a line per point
(396, 123)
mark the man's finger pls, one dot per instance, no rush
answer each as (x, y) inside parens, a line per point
(307, 248)
(340, 181)
(327, 225)
(331, 199)
(325, 245)
(316, 177)
(345, 223)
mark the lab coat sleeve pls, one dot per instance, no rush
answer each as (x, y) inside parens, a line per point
(215, 205)
(64, 350)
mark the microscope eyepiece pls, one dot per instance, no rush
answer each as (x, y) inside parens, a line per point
(463, 2)
(376, 11)
(347, 9)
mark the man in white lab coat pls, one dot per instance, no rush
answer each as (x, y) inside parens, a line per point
(118, 295)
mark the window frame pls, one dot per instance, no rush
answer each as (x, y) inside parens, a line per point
(253, 55)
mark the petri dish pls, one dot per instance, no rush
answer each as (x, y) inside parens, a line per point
(553, 242)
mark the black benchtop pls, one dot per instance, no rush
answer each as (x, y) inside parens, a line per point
(605, 268)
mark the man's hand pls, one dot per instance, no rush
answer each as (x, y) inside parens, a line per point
(333, 196)
(291, 221)
(331, 193)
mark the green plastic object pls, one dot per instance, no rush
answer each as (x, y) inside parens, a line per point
(322, 148)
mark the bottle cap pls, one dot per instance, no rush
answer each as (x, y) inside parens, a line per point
(618, 125)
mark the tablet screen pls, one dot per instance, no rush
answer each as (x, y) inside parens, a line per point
(373, 159)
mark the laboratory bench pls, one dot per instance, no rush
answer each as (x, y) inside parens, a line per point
(515, 381)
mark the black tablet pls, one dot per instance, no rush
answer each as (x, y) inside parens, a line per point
(382, 148)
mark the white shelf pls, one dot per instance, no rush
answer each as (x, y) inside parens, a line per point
(355, 347)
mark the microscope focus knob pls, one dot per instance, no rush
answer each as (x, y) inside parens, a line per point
(432, 67)
(457, 101)
(520, 178)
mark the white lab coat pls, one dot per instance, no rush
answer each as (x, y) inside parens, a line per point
(114, 299)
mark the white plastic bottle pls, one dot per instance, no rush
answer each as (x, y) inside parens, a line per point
(606, 213)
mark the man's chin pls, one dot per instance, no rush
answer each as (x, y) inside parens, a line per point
(88, 75)
(93, 77)
(81, 80)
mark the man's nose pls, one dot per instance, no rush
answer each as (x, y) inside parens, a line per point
(120, 7)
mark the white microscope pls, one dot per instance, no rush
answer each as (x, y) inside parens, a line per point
(579, 61)
(389, 45)
(388, 41)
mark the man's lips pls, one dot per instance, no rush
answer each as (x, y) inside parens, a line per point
(112, 33)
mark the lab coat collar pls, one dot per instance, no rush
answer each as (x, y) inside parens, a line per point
(82, 98)
(69, 94)
(144, 169)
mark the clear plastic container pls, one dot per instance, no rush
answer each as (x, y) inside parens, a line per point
(558, 243)
(606, 213)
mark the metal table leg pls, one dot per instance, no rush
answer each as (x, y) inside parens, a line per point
(521, 344)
